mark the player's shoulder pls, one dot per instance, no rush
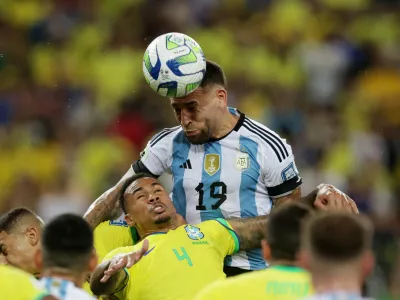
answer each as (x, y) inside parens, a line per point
(164, 135)
(266, 138)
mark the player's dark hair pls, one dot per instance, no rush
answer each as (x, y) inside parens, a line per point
(284, 230)
(11, 219)
(214, 75)
(67, 243)
(126, 184)
(338, 236)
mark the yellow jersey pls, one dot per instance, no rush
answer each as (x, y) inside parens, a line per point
(180, 262)
(111, 235)
(17, 285)
(276, 282)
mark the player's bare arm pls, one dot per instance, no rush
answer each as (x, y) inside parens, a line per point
(294, 195)
(106, 207)
(324, 197)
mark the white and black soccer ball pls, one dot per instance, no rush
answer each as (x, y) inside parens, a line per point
(174, 65)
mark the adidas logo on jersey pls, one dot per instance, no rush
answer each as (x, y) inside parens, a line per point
(186, 165)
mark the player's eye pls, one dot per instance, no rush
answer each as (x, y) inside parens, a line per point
(158, 190)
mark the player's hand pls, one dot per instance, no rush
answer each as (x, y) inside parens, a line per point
(124, 261)
(331, 198)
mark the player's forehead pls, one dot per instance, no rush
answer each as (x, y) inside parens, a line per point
(196, 97)
(142, 183)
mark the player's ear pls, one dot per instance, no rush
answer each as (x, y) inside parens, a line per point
(33, 235)
(303, 259)
(222, 95)
(129, 221)
(93, 261)
(368, 262)
(266, 250)
(38, 259)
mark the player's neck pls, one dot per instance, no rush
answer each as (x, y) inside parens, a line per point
(143, 232)
(60, 273)
(226, 125)
(326, 283)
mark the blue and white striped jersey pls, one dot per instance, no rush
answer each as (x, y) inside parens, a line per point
(234, 176)
(64, 289)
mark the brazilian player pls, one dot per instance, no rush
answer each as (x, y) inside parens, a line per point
(284, 279)
(15, 284)
(337, 250)
(66, 257)
(191, 256)
(20, 234)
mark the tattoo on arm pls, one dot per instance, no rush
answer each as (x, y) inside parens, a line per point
(250, 231)
(112, 285)
(294, 195)
(106, 207)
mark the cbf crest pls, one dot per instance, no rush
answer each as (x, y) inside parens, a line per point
(211, 164)
(193, 232)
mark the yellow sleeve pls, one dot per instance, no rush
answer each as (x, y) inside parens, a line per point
(110, 235)
(222, 234)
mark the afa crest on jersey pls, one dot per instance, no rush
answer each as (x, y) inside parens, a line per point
(211, 163)
(193, 232)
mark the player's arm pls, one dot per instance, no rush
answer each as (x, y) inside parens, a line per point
(283, 182)
(153, 160)
(111, 276)
(112, 285)
(106, 207)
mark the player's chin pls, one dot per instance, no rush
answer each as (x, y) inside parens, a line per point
(162, 218)
(197, 139)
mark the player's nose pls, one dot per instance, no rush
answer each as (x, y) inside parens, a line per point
(185, 118)
(153, 198)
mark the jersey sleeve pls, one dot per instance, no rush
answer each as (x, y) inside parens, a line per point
(156, 157)
(111, 235)
(279, 170)
(222, 235)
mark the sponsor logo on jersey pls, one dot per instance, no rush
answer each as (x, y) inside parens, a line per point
(211, 163)
(289, 172)
(242, 161)
(193, 232)
(118, 223)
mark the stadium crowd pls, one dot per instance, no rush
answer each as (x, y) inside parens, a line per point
(75, 110)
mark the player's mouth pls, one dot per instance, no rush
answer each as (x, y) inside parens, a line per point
(190, 133)
(159, 208)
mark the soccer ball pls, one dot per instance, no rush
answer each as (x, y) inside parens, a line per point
(174, 65)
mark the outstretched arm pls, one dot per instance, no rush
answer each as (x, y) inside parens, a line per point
(110, 276)
(115, 282)
(325, 197)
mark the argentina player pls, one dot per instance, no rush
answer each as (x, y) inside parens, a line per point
(223, 164)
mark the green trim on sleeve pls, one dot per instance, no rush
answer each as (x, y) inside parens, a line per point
(233, 234)
(41, 296)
